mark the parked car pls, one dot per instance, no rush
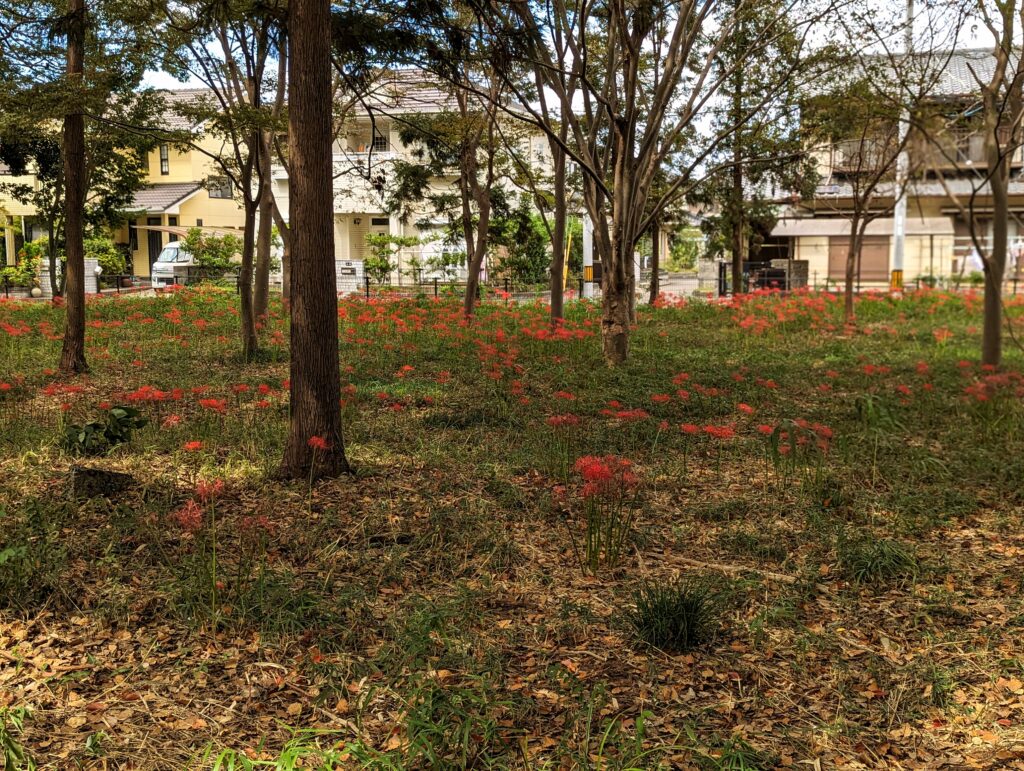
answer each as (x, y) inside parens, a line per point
(172, 265)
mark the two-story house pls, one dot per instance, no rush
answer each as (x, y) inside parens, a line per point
(183, 191)
(947, 168)
(366, 149)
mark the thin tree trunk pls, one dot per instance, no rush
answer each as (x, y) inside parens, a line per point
(476, 262)
(250, 341)
(261, 290)
(852, 257)
(51, 257)
(558, 255)
(315, 446)
(655, 262)
(615, 307)
(72, 357)
(995, 265)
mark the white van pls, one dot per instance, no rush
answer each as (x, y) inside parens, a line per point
(171, 267)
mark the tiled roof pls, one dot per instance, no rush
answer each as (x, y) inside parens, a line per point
(162, 197)
(172, 118)
(957, 73)
(410, 90)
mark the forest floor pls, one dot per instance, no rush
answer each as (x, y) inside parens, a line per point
(839, 509)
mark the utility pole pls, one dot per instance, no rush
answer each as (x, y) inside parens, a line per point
(899, 221)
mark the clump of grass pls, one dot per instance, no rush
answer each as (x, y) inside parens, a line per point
(876, 561)
(677, 616)
(736, 755)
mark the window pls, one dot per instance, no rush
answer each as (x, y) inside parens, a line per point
(165, 159)
(219, 187)
(379, 221)
(380, 141)
(172, 221)
(199, 223)
(133, 236)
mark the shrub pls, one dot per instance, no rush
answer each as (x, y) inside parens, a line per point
(106, 253)
(677, 616)
(871, 561)
(383, 246)
(99, 436)
(26, 272)
(213, 253)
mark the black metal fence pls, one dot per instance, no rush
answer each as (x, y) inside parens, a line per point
(437, 287)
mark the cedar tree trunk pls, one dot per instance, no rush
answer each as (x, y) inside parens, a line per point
(72, 355)
(315, 380)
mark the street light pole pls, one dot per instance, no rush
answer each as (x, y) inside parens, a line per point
(899, 221)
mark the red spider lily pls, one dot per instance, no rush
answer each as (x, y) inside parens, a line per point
(171, 421)
(214, 405)
(661, 398)
(189, 517)
(632, 416)
(690, 428)
(766, 429)
(207, 491)
(922, 368)
(941, 335)
(318, 443)
(745, 408)
(193, 446)
(264, 389)
(569, 397)
(563, 420)
(720, 432)
(240, 388)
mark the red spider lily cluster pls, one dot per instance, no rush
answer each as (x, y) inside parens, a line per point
(607, 476)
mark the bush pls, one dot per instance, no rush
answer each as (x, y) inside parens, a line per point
(26, 272)
(106, 253)
(678, 616)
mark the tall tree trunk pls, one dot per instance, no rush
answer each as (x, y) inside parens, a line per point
(261, 290)
(655, 262)
(739, 240)
(250, 341)
(315, 379)
(72, 356)
(558, 256)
